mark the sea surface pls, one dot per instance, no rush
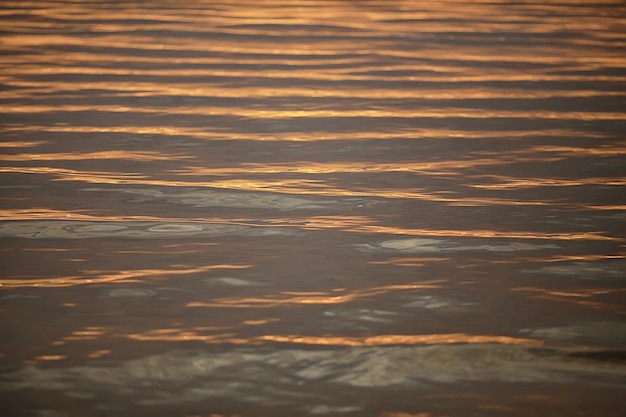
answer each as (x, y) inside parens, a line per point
(375, 208)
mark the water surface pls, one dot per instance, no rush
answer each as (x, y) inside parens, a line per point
(360, 208)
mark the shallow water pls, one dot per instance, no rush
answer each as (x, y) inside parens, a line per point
(359, 208)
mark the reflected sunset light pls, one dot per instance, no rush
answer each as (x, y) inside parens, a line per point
(588, 298)
(312, 298)
(117, 276)
(382, 340)
(378, 208)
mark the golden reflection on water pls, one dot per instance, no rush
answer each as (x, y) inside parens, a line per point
(287, 298)
(448, 167)
(560, 258)
(164, 93)
(42, 213)
(51, 357)
(21, 144)
(513, 183)
(382, 120)
(344, 113)
(113, 276)
(89, 333)
(120, 155)
(582, 298)
(337, 70)
(487, 233)
(317, 135)
(381, 340)
(99, 353)
(315, 187)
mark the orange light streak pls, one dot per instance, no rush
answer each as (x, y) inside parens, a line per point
(120, 155)
(286, 298)
(380, 340)
(93, 277)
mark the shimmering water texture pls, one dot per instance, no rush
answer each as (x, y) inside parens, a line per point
(367, 208)
(438, 245)
(137, 230)
(208, 198)
(280, 377)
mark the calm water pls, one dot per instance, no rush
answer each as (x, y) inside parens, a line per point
(290, 208)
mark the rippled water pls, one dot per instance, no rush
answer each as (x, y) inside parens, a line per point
(284, 208)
